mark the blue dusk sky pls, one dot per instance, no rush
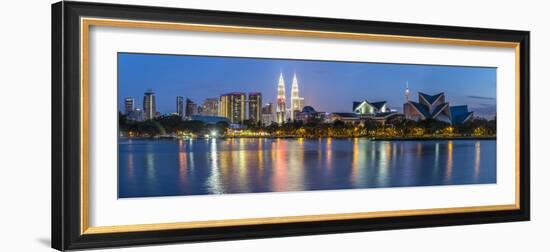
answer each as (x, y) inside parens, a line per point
(328, 86)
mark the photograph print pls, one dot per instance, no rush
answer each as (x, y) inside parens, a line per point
(210, 125)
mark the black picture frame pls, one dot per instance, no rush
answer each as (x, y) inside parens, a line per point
(66, 155)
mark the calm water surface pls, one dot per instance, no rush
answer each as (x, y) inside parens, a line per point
(217, 166)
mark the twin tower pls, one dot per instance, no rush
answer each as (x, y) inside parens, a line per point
(296, 102)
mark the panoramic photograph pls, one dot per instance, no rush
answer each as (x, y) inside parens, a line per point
(211, 125)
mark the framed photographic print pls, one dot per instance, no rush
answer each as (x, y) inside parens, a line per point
(179, 125)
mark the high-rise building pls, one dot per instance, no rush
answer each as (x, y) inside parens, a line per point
(281, 101)
(129, 105)
(210, 106)
(267, 114)
(149, 105)
(179, 105)
(268, 108)
(296, 102)
(232, 106)
(190, 108)
(255, 107)
(136, 115)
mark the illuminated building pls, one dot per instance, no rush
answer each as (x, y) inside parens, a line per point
(129, 105)
(232, 106)
(281, 101)
(179, 106)
(344, 117)
(296, 102)
(308, 114)
(255, 107)
(377, 111)
(210, 107)
(149, 105)
(267, 114)
(366, 108)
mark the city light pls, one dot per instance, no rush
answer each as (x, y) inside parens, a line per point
(236, 116)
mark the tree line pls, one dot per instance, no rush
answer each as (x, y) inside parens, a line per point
(394, 127)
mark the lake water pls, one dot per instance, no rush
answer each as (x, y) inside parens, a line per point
(247, 165)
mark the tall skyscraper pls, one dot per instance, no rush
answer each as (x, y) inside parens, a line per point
(149, 105)
(296, 102)
(268, 108)
(281, 101)
(232, 106)
(129, 105)
(255, 107)
(190, 108)
(267, 114)
(210, 106)
(179, 105)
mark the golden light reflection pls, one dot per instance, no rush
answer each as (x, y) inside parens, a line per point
(242, 165)
(329, 153)
(383, 162)
(182, 163)
(182, 160)
(296, 166)
(280, 172)
(261, 154)
(358, 166)
(449, 169)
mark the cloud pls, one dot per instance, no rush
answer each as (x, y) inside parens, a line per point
(487, 105)
(481, 97)
(485, 110)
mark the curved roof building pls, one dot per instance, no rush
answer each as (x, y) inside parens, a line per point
(435, 107)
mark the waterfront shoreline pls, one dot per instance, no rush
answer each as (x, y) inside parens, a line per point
(422, 138)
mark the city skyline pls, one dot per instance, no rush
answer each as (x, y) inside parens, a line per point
(325, 85)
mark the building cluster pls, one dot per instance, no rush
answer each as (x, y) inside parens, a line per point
(236, 108)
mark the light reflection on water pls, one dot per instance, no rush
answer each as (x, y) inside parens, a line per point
(218, 166)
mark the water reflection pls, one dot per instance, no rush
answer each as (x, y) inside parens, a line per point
(218, 166)
(477, 160)
(182, 161)
(150, 163)
(130, 170)
(449, 167)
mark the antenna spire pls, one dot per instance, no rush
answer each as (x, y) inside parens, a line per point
(407, 92)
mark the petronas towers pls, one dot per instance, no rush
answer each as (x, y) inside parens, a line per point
(296, 102)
